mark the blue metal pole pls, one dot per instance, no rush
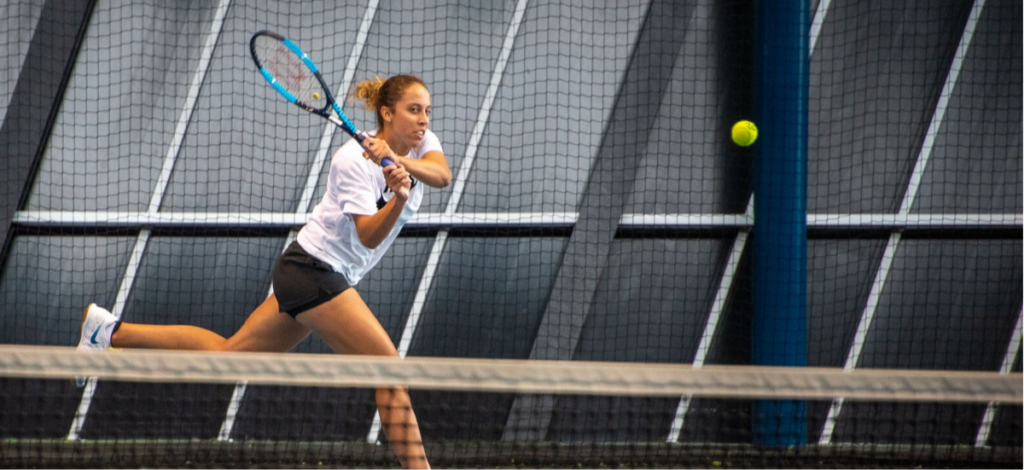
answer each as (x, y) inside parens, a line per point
(780, 210)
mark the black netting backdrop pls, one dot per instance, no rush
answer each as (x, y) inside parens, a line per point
(597, 214)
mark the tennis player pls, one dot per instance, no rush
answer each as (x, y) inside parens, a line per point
(355, 223)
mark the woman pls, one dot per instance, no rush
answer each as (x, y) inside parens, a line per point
(355, 223)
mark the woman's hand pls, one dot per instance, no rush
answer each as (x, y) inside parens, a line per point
(398, 180)
(374, 229)
(377, 149)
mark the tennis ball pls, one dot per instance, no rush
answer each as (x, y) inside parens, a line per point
(744, 133)
(316, 95)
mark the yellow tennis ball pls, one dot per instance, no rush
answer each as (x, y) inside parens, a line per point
(744, 133)
(316, 95)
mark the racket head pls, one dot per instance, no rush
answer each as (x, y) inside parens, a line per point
(291, 72)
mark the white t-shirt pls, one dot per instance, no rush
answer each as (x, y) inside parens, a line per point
(356, 186)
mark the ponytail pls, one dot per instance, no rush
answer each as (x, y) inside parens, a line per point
(368, 91)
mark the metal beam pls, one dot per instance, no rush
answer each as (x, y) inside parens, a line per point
(894, 222)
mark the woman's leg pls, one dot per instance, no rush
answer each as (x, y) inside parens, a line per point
(348, 327)
(266, 330)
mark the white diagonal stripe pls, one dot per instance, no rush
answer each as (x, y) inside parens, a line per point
(913, 185)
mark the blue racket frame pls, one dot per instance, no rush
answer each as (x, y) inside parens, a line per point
(339, 118)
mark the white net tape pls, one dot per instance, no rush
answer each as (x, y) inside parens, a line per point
(514, 376)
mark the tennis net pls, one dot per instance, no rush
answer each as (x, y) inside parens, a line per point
(177, 409)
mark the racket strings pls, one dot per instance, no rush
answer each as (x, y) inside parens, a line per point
(290, 71)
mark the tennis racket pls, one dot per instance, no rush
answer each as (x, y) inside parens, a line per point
(294, 75)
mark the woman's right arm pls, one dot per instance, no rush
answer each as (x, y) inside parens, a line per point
(373, 229)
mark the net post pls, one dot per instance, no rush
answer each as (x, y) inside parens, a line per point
(779, 336)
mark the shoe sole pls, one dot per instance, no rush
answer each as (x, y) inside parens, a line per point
(81, 327)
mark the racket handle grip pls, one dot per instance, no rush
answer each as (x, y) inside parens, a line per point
(386, 162)
(360, 137)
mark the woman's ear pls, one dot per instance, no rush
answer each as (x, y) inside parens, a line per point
(387, 114)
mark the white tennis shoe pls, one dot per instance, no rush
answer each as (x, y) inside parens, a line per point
(97, 328)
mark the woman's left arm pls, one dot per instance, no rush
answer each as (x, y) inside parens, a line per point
(431, 169)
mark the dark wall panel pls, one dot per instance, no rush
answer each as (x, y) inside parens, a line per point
(651, 305)
(948, 305)
(652, 302)
(48, 282)
(909, 423)
(976, 163)
(690, 164)
(21, 17)
(43, 408)
(487, 300)
(213, 283)
(552, 107)
(874, 80)
(121, 106)
(840, 274)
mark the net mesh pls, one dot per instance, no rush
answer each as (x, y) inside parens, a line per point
(598, 212)
(608, 414)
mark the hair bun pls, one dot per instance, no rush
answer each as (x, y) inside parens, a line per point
(368, 91)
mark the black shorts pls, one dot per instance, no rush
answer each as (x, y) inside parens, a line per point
(301, 281)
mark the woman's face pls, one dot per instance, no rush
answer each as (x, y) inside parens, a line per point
(409, 118)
